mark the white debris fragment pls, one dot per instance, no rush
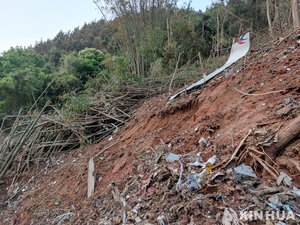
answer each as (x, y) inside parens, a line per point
(136, 208)
(138, 220)
(171, 157)
(25, 188)
(296, 190)
(275, 200)
(196, 163)
(285, 178)
(211, 160)
(245, 170)
(202, 142)
(230, 217)
(161, 220)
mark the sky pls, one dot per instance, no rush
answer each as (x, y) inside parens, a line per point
(23, 22)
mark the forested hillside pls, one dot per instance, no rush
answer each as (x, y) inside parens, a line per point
(145, 39)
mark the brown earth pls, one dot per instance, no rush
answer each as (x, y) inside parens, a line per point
(134, 182)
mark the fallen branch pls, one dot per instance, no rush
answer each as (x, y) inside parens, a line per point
(237, 148)
(287, 36)
(109, 116)
(265, 190)
(266, 166)
(266, 93)
(36, 135)
(59, 219)
(105, 149)
(296, 164)
(176, 68)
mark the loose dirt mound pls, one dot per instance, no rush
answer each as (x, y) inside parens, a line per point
(135, 184)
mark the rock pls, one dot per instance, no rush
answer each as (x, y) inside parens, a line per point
(281, 70)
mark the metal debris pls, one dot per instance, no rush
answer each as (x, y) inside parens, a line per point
(245, 170)
(230, 217)
(191, 182)
(275, 200)
(202, 142)
(171, 157)
(285, 178)
(161, 220)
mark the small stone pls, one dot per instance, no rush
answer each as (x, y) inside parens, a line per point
(281, 70)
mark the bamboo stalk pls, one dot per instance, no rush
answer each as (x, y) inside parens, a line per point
(44, 134)
(20, 143)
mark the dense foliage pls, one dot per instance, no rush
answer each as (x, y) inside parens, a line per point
(144, 39)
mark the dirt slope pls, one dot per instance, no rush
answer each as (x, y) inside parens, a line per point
(136, 185)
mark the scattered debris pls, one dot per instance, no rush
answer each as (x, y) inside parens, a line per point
(230, 217)
(161, 220)
(171, 157)
(192, 182)
(296, 190)
(285, 178)
(245, 170)
(61, 218)
(275, 200)
(211, 160)
(202, 142)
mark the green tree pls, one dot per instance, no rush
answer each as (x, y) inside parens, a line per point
(78, 69)
(23, 73)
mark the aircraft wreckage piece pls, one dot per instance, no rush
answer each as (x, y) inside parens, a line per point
(239, 49)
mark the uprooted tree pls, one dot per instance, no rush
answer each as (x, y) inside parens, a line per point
(285, 136)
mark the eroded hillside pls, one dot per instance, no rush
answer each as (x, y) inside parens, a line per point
(235, 118)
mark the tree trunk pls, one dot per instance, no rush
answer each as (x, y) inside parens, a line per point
(291, 131)
(269, 17)
(218, 35)
(277, 16)
(295, 14)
